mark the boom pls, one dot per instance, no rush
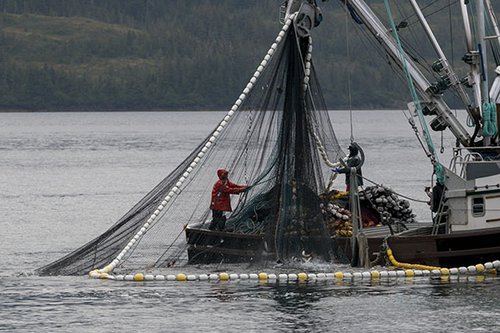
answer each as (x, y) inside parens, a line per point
(434, 102)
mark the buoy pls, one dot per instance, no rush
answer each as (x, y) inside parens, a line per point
(283, 277)
(263, 276)
(409, 273)
(139, 277)
(302, 276)
(223, 276)
(94, 274)
(181, 277)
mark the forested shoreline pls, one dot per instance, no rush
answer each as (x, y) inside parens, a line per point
(170, 55)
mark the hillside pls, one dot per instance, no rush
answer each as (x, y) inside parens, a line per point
(173, 55)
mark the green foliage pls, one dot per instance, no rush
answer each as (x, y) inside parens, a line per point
(176, 54)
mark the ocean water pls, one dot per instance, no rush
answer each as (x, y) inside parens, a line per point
(66, 177)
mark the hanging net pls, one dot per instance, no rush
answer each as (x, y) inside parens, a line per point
(269, 140)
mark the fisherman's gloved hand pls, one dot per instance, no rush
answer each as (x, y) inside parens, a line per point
(336, 170)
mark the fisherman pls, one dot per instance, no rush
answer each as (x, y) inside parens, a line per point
(436, 196)
(221, 201)
(355, 159)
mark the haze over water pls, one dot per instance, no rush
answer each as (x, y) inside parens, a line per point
(67, 177)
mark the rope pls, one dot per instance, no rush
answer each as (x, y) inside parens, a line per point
(489, 119)
(302, 277)
(396, 263)
(392, 191)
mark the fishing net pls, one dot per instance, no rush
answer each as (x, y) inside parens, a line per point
(269, 141)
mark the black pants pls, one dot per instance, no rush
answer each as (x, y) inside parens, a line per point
(218, 220)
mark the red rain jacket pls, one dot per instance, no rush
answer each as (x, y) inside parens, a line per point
(221, 191)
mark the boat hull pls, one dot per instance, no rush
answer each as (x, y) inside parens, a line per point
(458, 249)
(208, 246)
(448, 250)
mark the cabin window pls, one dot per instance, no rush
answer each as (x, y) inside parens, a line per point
(478, 207)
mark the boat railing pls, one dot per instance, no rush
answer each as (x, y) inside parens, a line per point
(466, 156)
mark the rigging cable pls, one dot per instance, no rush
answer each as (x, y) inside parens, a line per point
(392, 191)
(452, 45)
(349, 96)
(434, 158)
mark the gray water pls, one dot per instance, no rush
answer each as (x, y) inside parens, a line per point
(66, 177)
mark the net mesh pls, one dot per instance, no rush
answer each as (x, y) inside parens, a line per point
(269, 144)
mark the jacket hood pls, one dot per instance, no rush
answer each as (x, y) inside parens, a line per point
(221, 173)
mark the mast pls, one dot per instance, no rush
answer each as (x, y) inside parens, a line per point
(494, 93)
(481, 30)
(472, 55)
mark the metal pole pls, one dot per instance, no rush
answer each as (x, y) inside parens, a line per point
(481, 30)
(353, 196)
(442, 57)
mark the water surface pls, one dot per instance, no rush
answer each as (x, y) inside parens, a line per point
(66, 177)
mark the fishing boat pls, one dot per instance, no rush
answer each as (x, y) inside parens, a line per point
(277, 139)
(466, 195)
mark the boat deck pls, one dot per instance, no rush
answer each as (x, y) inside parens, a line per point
(384, 230)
